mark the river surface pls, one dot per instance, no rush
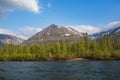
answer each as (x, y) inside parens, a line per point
(60, 70)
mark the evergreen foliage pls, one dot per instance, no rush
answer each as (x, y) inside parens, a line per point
(104, 48)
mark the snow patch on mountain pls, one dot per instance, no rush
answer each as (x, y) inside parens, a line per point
(72, 30)
(67, 34)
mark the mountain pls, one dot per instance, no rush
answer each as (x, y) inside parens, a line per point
(116, 32)
(113, 32)
(9, 39)
(55, 33)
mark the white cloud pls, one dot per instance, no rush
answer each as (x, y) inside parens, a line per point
(86, 28)
(112, 25)
(23, 33)
(91, 29)
(10, 5)
(27, 32)
(6, 31)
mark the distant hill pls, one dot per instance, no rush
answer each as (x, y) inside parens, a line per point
(9, 39)
(114, 32)
(54, 33)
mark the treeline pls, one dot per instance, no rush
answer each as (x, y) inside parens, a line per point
(103, 48)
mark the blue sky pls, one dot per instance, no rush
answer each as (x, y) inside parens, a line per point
(96, 13)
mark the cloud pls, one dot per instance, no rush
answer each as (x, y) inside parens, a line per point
(23, 33)
(11, 5)
(91, 29)
(112, 25)
(86, 28)
(27, 32)
(6, 31)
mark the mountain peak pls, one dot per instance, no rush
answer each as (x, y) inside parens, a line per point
(55, 33)
(53, 26)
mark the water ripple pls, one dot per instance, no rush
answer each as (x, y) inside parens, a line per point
(61, 70)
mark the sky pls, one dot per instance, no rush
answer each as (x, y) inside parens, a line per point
(26, 17)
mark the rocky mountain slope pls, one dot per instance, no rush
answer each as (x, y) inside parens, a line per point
(55, 33)
(9, 39)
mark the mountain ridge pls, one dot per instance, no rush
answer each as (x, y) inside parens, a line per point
(54, 33)
(111, 32)
(10, 39)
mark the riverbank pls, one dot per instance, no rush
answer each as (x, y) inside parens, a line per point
(69, 59)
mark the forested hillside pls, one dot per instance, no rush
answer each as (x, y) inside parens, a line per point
(104, 48)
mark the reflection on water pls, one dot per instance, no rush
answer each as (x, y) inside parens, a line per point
(63, 70)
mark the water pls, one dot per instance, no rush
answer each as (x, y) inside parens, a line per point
(63, 70)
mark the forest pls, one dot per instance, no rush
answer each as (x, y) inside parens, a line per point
(105, 48)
